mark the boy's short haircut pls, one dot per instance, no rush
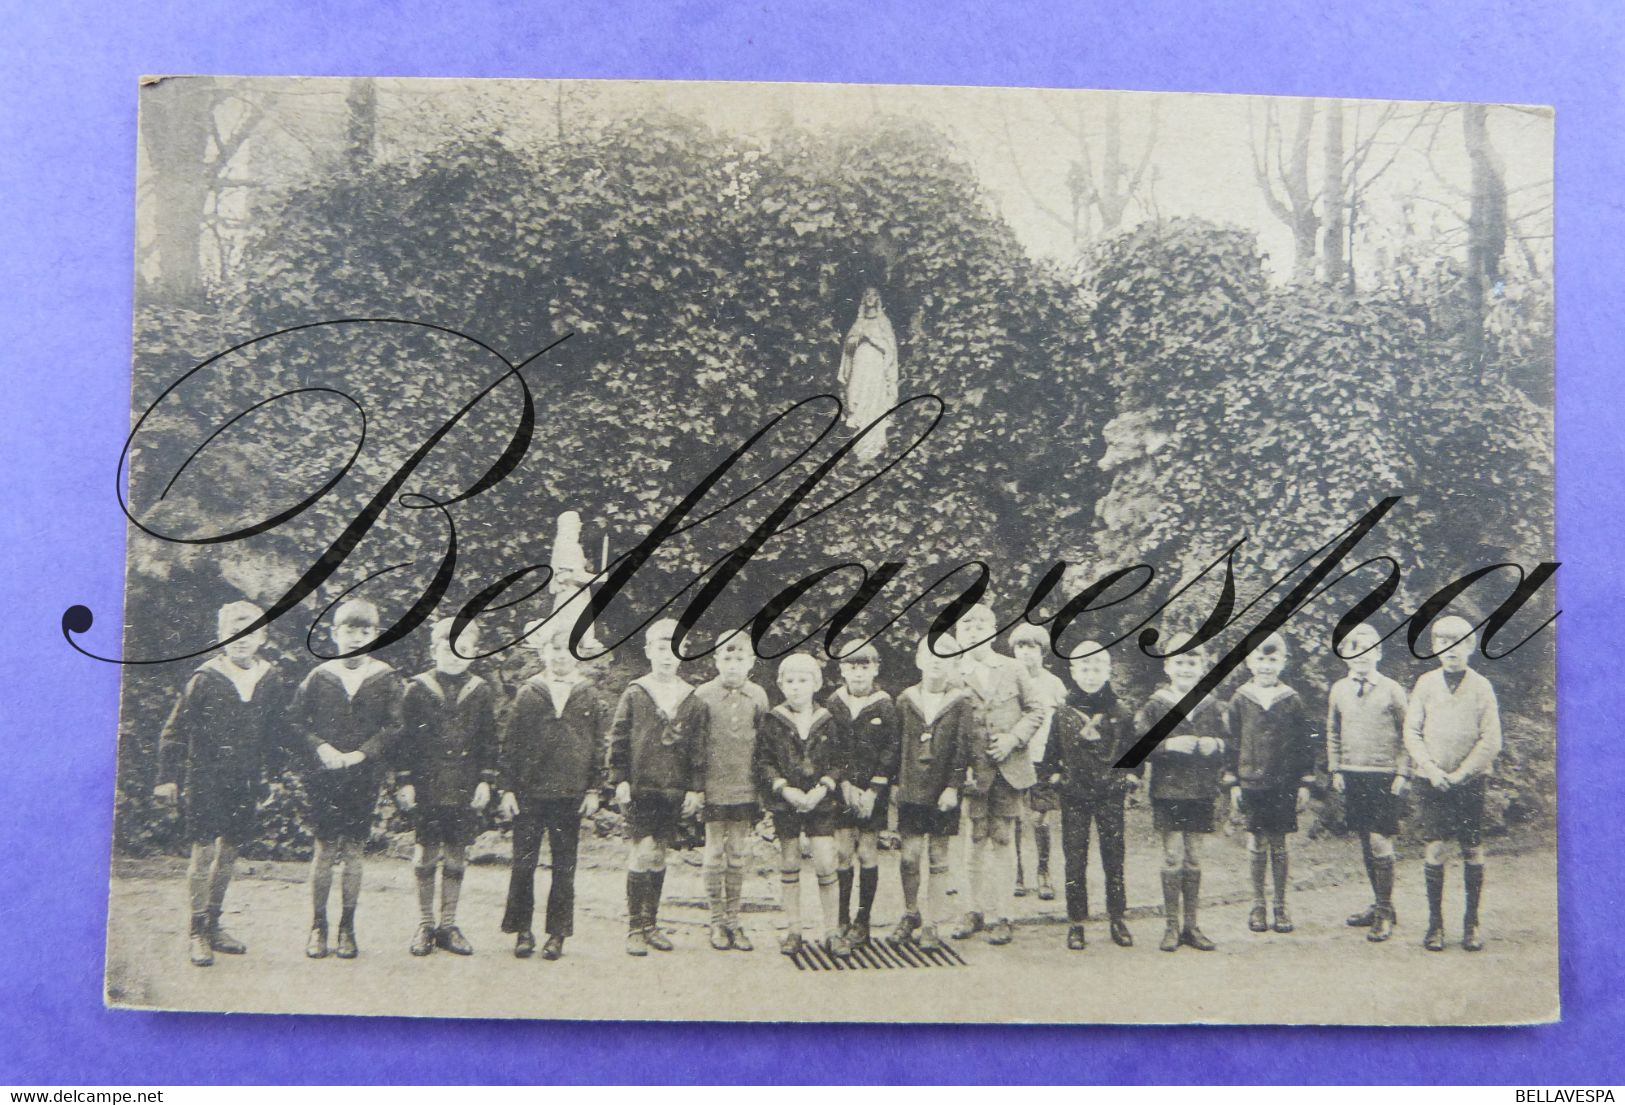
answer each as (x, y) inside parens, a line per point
(442, 631)
(234, 615)
(1361, 639)
(867, 656)
(945, 643)
(801, 662)
(734, 641)
(1178, 641)
(664, 627)
(1273, 645)
(1026, 633)
(1453, 626)
(356, 612)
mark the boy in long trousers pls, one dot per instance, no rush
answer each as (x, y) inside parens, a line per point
(1090, 733)
(349, 713)
(940, 730)
(1029, 643)
(1185, 771)
(1365, 753)
(1012, 712)
(870, 719)
(650, 747)
(551, 765)
(801, 758)
(445, 768)
(1453, 735)
(725, 777)
(213, 748)
(1271, 766)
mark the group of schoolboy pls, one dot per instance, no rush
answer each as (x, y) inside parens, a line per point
(979, 736)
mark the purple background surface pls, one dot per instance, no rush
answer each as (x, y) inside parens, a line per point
(67, 132)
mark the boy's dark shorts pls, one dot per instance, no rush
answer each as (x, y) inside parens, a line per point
(731, 811)
(341, 803)
(915, 820)
(1369, 805)
(449, 825)
(1001, 801)
(789, 825)
(847, 818)
(1041, 798)
(1182, 815)
(1270, 810)
(1454, 814)
(654, 813)
(231, 814)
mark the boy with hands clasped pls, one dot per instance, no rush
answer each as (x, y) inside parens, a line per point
(1453, 735)
(349, 712)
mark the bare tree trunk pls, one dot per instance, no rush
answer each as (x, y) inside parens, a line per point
(175, 129)
(361, 105)
(1486, 228)
(1332, 189)
(1295, 179)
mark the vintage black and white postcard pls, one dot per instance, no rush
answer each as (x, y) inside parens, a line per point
(837, 553)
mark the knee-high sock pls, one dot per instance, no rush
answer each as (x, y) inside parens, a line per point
(635, 881)
(350, 884)
(1259, 861)
(451, 889)
(735, 888)
(1473, 879)
(425, 878)
(1278, 868)
(1370, 859)
(868, 883)
(1173, 882)
(843, 879)
(657, 887)
(1382, 881)
(1041, 841)
(225, 861)
(1433, 873)
(321, 881)
(828, 894)
(937, 895)
(910, 875)
(1021, 875)
(716, 891)
(1193, 894)
(198, 878)
(790, 885)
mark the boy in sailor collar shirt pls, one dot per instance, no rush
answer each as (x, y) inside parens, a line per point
(1271, 766)
(214, 743)
(870, 718)
(651, 740)
(939, 733)
(551, 767)
(349, 712)
(444, 771)
(801, 762)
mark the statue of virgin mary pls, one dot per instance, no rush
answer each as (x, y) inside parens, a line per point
(868, 375)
